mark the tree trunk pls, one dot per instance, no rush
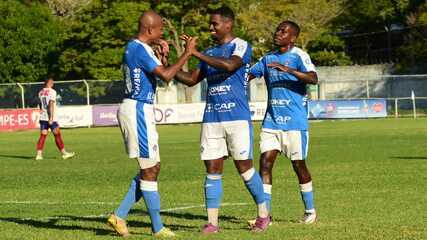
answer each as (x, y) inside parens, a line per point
(179, 47)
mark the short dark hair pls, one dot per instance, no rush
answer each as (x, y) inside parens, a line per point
(47, 79)
(293, 25)
(224, 11)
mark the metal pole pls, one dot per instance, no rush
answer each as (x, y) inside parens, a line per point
(22, 94)
(396, 109)
(414, 107)
(367, 88)
(87, 92)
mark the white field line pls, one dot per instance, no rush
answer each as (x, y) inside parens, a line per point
(57, 203)
(102, 203)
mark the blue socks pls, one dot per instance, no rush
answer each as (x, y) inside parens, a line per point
(148, 190)
(152, 202)
(213, 190)
(132, 196)
(253, 183)
(307, 196)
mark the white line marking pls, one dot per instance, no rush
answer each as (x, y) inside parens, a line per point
(58, 203)
(100, 203)
(200, 205)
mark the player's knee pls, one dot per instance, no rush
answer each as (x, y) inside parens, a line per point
(44, 132)
(213, 167)
(243, 165)
(266, 169)
(150, 174)
(299, 165)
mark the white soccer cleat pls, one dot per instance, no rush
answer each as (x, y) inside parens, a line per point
(309, 218)
(39, 157)
(68, 155)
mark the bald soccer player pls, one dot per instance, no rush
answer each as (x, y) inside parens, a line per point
(141, 67)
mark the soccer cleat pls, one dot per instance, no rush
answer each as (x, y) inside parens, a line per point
(261, 224)
(309, 218)
(118, 225)
(39, 157)
(68, 155)
(251, 223)
(210, 228)
(164, 233)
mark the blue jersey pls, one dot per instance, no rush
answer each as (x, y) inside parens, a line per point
(287, 101)
(227, 98)
(139, 62)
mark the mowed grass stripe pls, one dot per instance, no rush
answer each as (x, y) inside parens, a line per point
(369, 179)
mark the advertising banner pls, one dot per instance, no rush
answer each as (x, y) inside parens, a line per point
(105, 115)
(257, 110)
(16, 119)
(76, 116)
(327, 109)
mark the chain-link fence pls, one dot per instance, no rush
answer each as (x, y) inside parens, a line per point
(396, 89)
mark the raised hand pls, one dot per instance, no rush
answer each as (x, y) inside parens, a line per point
(279, 67)
(190, 43)
(163, 47)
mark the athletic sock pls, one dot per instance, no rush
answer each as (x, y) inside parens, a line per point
(132, 196)
(41, 141)
(213, 195)
(152, 202)
(59, 142)
(307, 196)
(267, 196)
(253, 183)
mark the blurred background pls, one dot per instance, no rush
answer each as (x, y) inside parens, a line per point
(362, 49)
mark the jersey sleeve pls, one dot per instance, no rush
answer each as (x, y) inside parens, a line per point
(52, 95)
(257, 70)
(240, 48)
(147, 59)
(306, 65)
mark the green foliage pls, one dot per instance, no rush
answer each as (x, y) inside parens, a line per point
(30, 38)
(330, 58)
(368, 15)
(414, 53)
(328, 50)
(96, 39)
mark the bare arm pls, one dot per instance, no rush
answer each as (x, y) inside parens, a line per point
(189, 78)
(250, 77)
(167, 73)
(306, 77)
(227, 64)
(51, 108)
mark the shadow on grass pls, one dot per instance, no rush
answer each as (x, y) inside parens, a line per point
(17, 156)
(79, 223)
(409, 158)
(53, 224)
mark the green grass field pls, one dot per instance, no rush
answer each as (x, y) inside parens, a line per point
(369, 178)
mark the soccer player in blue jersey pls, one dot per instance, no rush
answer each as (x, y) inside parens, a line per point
(287, 71)
(226, 127)
(136, 119)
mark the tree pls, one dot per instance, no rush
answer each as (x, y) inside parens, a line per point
(368, 15)
(30, 39)
(414, 52)
(192, 18)
(328, 50)
(96, 39)
(261, 18)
